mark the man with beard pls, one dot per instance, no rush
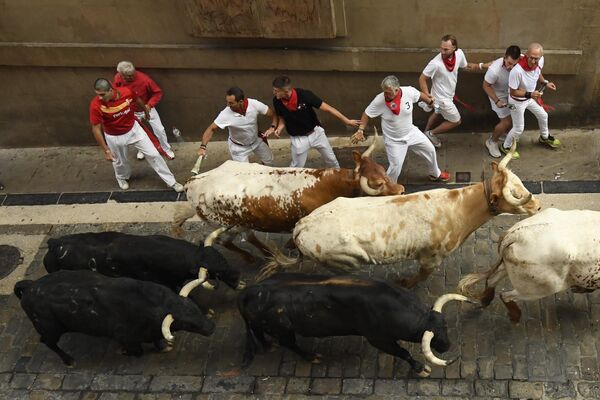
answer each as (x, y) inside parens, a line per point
(443, 72)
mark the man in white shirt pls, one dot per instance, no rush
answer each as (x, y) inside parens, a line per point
(522, 83)
(395, 107)
(240, 117)
(443, 72)
(495, 85)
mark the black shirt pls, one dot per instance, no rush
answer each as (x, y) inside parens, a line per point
(304, 119)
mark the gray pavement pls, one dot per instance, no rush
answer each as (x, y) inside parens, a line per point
(552, 353)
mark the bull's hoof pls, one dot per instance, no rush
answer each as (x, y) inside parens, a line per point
(210, 314)
(70, 363)
(231, 372)
(407, 283)
(271, 347)
(425, 372)
(316, 358)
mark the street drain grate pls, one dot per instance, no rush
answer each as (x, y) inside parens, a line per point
(10, 258)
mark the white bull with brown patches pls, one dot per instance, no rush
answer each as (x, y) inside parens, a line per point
(348, 233)
(253, 196)
(550, 252)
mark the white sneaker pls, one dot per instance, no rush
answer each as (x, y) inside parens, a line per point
(178, 187)
(170, 154)
(123, 184)
(140, 155)
(433, 139)
(493, 148)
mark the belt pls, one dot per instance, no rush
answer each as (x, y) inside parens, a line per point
(239, 144)
(514, 98)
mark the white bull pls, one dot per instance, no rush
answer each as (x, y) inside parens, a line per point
(348, 233)
(550, 252)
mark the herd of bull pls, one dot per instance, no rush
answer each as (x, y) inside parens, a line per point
(135, 289)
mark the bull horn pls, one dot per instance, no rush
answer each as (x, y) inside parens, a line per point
(512, 200)
(508, 156)
(364, 185)
(211, 238)
(166, 328)
(442, 300)
(202, 280)
(368, 151)
(426, 345)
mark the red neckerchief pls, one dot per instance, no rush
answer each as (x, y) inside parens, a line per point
(394, 105)
(523, 63)
(450, 62)
(292, 103)
(244, 107)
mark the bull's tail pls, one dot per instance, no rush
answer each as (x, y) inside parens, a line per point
(22, 286)
(277, 262)
(251, 342)
(183, 212)
(466, 283)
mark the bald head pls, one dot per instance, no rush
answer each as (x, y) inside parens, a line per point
(535, 48)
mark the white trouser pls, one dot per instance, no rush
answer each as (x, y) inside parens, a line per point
(157, 127)
(300, 145)
(137, 137)
(242, 153)
(447, 109)
(518, 119)
(416, 142)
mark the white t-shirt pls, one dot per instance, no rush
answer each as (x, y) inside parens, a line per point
(443, 82)
(521, 79)
(497, 76)
(395, 126)
(243, 129)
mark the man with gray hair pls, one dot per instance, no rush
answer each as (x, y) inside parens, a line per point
(524, 95)
(115, 127)
(150, 93)
(395, 106)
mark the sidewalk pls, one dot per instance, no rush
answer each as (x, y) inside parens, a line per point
(575, 167)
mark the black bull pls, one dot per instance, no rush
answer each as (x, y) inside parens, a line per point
(130, 311)
(320, 306)
(155, 258)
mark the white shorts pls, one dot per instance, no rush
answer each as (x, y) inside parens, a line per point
(447, 109)
(501, 112)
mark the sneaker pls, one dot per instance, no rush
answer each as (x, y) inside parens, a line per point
(178, 187)
(492, 148)
(444, 177)
(140, 155)
(170, 154)
(515, 155)
(434, 139)
(123, 184)
(550, 141)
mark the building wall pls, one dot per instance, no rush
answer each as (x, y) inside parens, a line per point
(51, 52)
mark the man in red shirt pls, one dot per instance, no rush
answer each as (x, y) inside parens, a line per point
(115, 126)
(150, 93)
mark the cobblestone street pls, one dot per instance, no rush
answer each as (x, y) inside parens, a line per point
(551, 354)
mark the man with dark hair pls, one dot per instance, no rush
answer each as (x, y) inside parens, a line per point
(114, 127)
(295, 109)
(146, 89)
(495, 85)
(524, 95)
(443, 72)
(240, 117)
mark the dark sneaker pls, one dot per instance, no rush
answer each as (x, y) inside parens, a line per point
(503, 149)
(444, 177)
(550, 141)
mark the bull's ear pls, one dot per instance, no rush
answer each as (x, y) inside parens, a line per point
(357, 157)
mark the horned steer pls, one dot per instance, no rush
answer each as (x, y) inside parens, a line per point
(426, 226)
(129, 311)
(161, 259)
(267, 199)
(543, 255)
(320, 306)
